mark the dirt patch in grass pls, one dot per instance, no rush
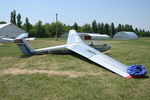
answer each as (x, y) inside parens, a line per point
(6, 58)
(1, 44)
(72, 74)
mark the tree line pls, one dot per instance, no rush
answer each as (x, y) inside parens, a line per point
(49, 29)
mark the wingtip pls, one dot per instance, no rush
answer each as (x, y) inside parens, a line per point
(129, 77)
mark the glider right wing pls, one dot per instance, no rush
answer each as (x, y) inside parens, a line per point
(92, 54)
(100, 58)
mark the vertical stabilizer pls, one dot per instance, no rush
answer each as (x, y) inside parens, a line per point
(73, 37)
(24, 46)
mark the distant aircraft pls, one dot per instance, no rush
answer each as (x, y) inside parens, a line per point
(75, 44)
(23, 35)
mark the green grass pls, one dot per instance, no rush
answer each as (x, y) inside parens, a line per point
(92, 83)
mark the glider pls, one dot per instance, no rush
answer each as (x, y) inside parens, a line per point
(75, 44)
(23, 35)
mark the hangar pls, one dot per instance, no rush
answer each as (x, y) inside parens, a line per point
(10, 30)
(125, 35)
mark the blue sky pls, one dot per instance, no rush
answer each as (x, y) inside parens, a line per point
(134, 12)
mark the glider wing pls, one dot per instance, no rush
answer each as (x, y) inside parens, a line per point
(100, 58)
(76, 45)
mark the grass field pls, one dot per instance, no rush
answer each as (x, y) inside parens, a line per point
(71, 77)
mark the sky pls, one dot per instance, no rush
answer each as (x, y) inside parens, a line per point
(133, 12)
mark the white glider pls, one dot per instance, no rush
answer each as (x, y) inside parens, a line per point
(23, 35)
(75, 44)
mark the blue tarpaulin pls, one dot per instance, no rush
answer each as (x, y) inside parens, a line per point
(137, 70)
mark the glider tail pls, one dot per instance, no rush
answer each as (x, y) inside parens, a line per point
(73, 37)
(24, 46)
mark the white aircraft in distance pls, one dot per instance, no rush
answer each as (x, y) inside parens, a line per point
(23, 35)
(75, 44)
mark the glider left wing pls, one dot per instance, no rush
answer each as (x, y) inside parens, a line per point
(99, 58)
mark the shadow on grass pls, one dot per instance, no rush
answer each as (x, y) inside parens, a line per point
(25, 56)
(91, 62)
(5, 46)
(141, 77)
(85, 59)
(145, 77)
(28, 56)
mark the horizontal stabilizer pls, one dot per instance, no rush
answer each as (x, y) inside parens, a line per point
(23, 35)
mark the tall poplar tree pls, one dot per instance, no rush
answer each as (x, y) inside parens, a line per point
(136, 30)
(94, 26)
(106, 29)
(131, 28)
(119, 28)
(27, 25)
(102, 28)
(99, 28)
(113, 30)
(13, 17)
(19, 22)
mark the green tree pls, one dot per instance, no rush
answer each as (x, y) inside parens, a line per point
(119, 28)
(19, 22)
(127, 28)
(76, 27)
(87, 28)
(99, 28)
(113, 30)
(27, 25)
(2, 22)
(68, 27)
(94, 26)
(136, 30)
(102, 28)
(143, 30)
(106, 29)
(47, 28)
(60, 29)
(131, 28)
(123, 28)
(13, 17)
(40, 31)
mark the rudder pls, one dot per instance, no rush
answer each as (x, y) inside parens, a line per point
(24, 46)
(73, 37)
